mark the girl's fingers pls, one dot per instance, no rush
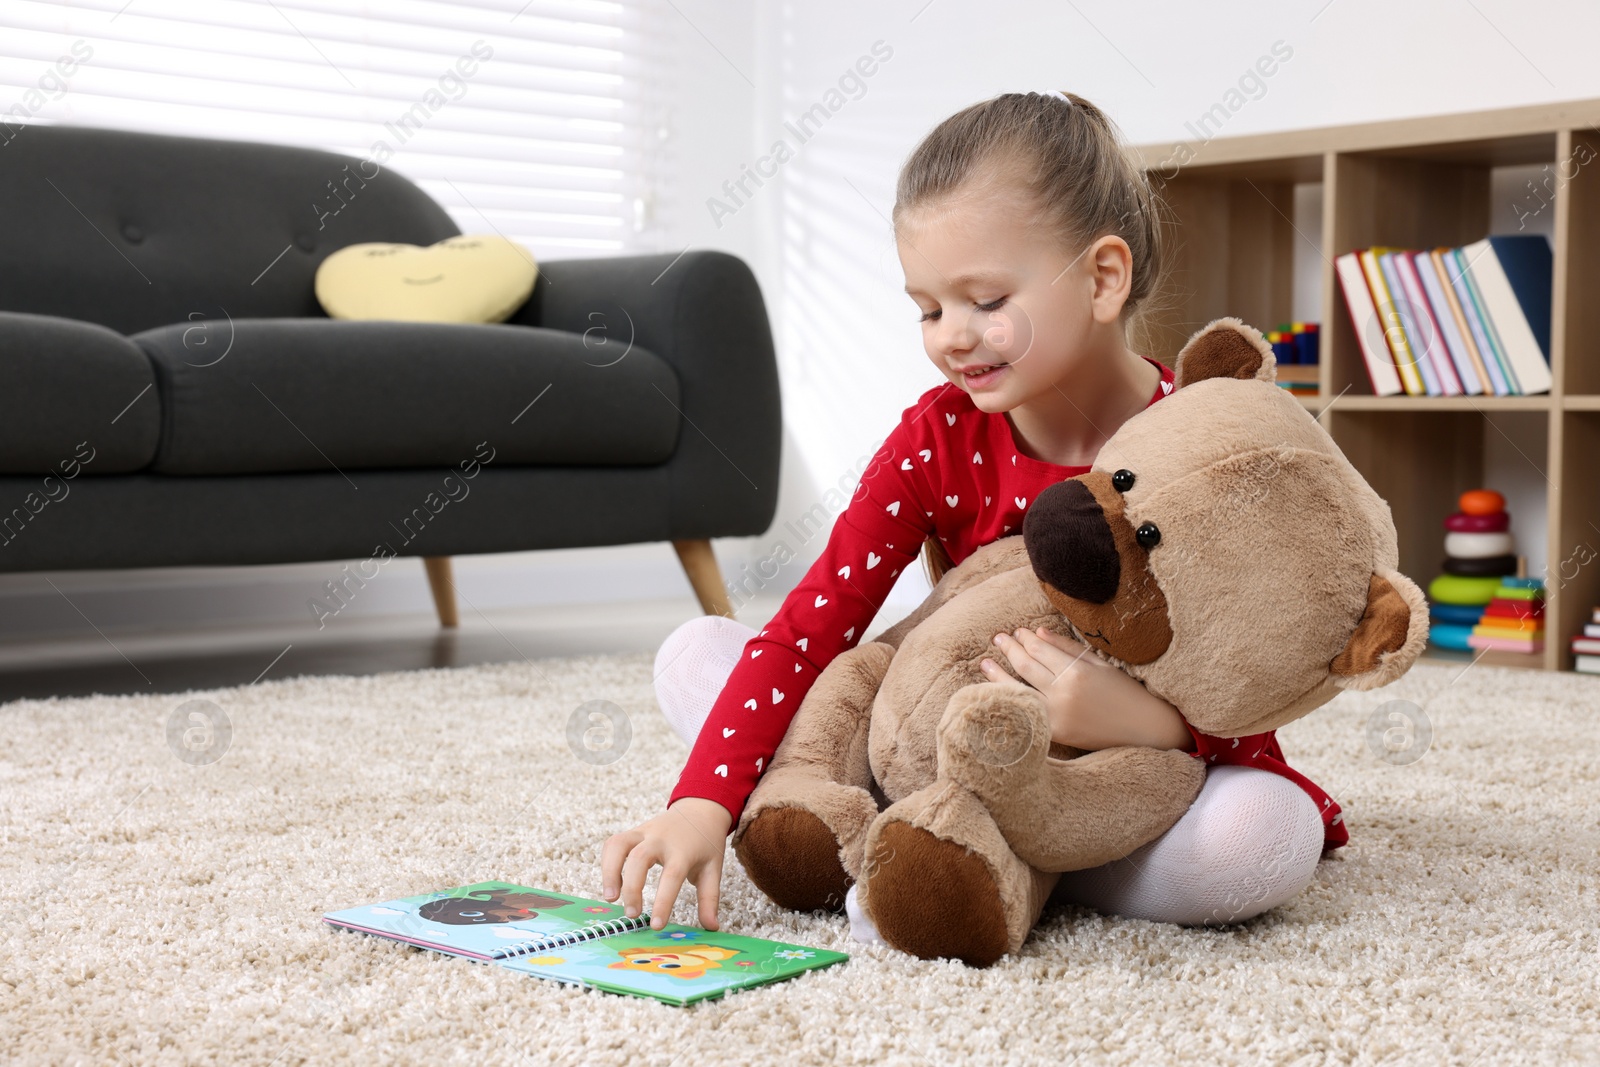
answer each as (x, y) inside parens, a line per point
(666, 896)
(1033, 672)
(708, 887)
(1047, 655)
(634, 872)
(1064, 643)
(612, 855)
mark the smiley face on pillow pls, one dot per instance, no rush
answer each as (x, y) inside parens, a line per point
(472, 278)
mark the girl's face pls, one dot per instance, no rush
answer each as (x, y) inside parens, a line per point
(1007, 313)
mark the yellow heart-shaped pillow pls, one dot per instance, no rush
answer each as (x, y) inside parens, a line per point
(472, 278)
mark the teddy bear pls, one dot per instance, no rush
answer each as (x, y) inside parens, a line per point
(939, 793)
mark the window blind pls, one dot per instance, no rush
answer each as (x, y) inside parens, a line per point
(542, 120)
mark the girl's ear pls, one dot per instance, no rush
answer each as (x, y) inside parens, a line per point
(1225, 348)
(1112, 262)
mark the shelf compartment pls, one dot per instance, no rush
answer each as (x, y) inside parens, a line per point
(1420, 460)
(1574, 572)
(1575, 314)
(1231, 246)
(1419, 196)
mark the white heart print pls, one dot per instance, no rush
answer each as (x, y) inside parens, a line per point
(801, 644)
(848, 634)
(1021, 501)
(844, 572)
(951, 500)
(727, 731)
(751, 703)
(722, 769)
(926, 454)
(949, 419)
(821, 600)
(777, 697)
(873, 559)
(893, 509)
(977, 457)
(905, 464)
(754, 652)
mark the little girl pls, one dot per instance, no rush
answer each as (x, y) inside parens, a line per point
(1027, 239)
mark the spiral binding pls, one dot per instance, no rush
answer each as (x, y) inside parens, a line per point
(594, 930)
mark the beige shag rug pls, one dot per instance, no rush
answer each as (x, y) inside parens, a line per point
(161, 911)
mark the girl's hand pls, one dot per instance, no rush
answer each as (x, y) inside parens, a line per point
(1091, 704)
(687, 840)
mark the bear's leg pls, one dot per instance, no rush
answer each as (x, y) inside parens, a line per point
(941, 882)
(1059, 815)
(801, 834)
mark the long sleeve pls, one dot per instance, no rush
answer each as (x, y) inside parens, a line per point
(874, 539)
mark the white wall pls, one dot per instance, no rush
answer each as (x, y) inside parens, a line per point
(817, 234)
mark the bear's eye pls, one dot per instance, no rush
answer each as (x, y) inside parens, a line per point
(1122, 481)
(1148, 535)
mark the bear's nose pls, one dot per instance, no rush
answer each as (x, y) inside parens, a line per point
(1070, 544)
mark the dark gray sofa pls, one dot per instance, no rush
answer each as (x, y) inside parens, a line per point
(172, 394)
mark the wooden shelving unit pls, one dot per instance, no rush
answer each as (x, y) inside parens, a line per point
(1416, 183)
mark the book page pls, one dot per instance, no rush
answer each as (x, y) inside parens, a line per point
(676, 964)
(479, 920)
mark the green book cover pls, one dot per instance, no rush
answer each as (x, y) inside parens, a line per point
(580, 941)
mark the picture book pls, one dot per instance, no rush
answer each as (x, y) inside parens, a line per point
(582, 942)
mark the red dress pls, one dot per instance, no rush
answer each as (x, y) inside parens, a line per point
(948, 470)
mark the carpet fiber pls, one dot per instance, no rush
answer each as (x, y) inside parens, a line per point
(157, 910)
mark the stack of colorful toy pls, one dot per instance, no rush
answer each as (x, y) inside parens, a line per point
(1514, 619)
(1478, 552)
(1294, 347)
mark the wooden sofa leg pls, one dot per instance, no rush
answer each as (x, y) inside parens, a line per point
(444, 589)
(700, 564)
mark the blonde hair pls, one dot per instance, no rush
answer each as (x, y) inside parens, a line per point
(1069, 156)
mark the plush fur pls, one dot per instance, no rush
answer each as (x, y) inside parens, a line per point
(1245, 574)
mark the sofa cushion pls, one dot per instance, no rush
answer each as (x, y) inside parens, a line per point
(73, 396)
(269, 395)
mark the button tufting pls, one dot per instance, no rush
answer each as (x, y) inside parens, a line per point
(305, 242)
(132, 233)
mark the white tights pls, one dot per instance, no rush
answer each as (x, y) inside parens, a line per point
(1249, 842)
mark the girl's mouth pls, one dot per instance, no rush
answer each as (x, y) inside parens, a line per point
(983, 377)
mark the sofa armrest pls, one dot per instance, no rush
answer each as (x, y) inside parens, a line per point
(703, 313)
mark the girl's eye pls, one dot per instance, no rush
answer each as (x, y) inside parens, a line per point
(992, 305)
(929, 315)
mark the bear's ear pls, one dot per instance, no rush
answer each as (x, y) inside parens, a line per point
(1389, 638)
(1225, 348)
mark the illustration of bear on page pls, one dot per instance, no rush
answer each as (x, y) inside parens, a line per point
(487, 906)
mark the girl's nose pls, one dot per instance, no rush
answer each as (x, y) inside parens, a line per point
(957, 334)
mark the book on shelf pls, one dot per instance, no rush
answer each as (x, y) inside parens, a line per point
(1587, 664)
(1478, 317)
(1446, 321)
(1430, 337)
(1394, 335)
(1461, 334)
(1369, 330)
(1513, 274)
